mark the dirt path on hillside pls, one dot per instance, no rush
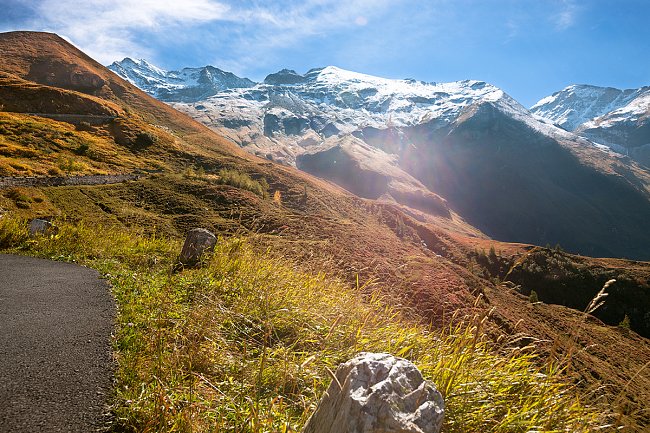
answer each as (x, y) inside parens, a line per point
(56, 321)
(91, 179)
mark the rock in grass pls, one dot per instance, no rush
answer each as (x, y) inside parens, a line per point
(378, 393)
(197, 242)
(41, 227)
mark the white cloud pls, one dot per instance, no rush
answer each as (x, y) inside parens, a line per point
(110, 30)
(361, 20)
(107, 30)
(282, 25)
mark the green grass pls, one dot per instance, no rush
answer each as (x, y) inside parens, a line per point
(247, 343)
(243, 181)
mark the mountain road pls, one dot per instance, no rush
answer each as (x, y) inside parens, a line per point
(56, 321)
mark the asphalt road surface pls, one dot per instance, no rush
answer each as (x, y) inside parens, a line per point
(56, 321)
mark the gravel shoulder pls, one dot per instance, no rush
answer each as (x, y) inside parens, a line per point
(56, 321)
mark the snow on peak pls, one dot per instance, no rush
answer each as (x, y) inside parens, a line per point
(188, 84)
(342, 79)
(580, 103)
(376, 101)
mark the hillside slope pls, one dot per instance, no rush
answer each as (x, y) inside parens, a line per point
(429, 265)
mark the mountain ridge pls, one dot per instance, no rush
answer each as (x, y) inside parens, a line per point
(185, 85)
(410, 126)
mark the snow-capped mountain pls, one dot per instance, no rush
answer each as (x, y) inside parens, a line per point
(577, 104)
(289, 112)
(284, 119)
(460, 148)
(187, 85)
(616, 118)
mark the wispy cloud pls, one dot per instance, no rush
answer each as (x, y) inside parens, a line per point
(108, 30)
(281, 23)
(565, 17)
(119, 28)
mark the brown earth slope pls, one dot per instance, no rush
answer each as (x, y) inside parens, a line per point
(435, 266)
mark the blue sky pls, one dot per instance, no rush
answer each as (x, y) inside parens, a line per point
(529, 48)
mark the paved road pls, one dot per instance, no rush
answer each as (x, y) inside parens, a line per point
(56, 321)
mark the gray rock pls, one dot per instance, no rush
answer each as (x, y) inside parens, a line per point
(41, 227)
(197, 242)
(285, 76)
(378, 393)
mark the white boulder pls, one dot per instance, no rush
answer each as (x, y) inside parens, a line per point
(378, 393)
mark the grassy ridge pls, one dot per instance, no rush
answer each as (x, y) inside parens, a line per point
(248, 343)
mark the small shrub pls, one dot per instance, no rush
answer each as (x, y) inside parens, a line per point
(68, 164)
(145, 139)
(18, 195)
(84, 126)
(243, 181)
(194, 173)
(303, 200)
(54, 171)
(493, 255)
(625, 323)
(13, 231)
(18, 166)
(277, 198)
(533, 298)
(82, 149)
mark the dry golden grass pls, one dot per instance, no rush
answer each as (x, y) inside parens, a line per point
(246, 342)
(32, 145)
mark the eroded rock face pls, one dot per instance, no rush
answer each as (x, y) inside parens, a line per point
(197, 242)
(378, 393)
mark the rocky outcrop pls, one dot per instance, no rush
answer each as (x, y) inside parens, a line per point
(197, 242)
(285, 76)
(41, 227)
(378, 393)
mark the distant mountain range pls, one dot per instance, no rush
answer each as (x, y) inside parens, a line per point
(464, 146)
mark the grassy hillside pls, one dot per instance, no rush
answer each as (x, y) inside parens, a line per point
(37, 146)
(424, 286)
(248, 344)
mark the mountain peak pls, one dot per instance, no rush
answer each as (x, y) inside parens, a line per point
(579, 103)
(284, 77)
(186, 85)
